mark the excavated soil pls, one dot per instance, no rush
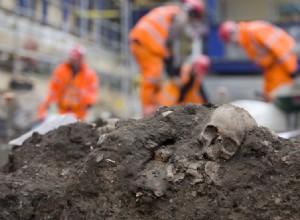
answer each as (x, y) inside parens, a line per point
(153, 168)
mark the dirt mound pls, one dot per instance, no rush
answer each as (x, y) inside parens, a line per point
(186, 162)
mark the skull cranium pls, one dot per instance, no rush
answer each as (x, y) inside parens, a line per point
(225, 132)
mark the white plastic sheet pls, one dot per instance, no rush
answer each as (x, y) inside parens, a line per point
(50, 123)
(265, 114)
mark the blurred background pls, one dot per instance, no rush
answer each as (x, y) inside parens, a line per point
(36, 35)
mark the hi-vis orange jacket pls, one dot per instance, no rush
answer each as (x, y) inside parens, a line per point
(267, 45)
(153, 28)
(72, 94)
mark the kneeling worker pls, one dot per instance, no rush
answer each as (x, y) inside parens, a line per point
(73, 87)
(187, 86)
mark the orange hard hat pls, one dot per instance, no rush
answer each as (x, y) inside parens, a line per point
(226, 30)
(196, 6)
(201, 65)
(77, 52)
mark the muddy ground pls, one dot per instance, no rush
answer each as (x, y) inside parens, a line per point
(167, 166)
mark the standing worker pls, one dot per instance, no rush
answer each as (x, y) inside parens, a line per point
(270, 47)
(73, 87)
(187, 86)
(152, 41)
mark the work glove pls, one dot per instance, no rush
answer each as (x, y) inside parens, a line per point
(89, 106)
(171, 70)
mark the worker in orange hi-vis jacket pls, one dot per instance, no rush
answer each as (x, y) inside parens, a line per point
(270, 47)
(73, 87)
(187, 86)
(152, 41)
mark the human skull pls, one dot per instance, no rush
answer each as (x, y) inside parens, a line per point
(224, 133)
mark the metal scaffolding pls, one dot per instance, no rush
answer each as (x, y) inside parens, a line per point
(104, 30)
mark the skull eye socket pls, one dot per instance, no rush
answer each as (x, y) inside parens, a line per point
(210, 134)
(230, 144)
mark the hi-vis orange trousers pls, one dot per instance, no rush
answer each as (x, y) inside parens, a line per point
(151, 66)
(275, 77)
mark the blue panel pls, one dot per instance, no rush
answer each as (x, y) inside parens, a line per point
(214, 46)
(137, 14)
(211, 7)
(236, 67)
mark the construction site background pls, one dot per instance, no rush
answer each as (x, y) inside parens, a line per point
(56, 26)
(103, 26)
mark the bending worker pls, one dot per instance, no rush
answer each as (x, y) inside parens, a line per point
(73, 87)
(152, 41)
(187, 86)
(270, 47)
